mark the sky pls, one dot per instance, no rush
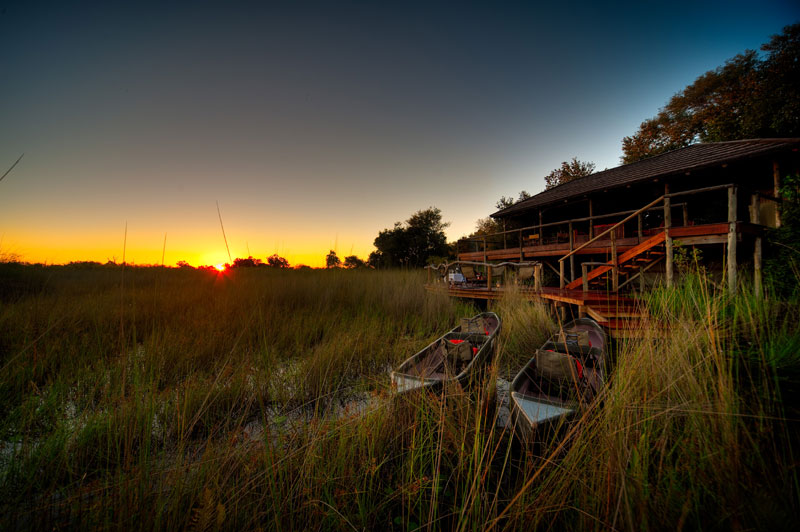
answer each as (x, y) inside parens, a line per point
(314, 125)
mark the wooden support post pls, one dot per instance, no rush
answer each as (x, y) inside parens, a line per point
(614, 261)
(489, 278)
(541, 236)
(571, 257)
(667, 238)
(429, 275)
(521, 254)
(732, 239)
(484, 249)
(591, 221)
(537, 277)
(685, 215)
(584, 273)
(641, 280)
(776, 178)
(639, 230)
(755, 217)
(581, 311)
(562, 281)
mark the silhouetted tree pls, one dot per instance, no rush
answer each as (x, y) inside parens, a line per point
(183, 264)
(413, 242)
(332, 260)
(249, 262)
(276, 261)
(567, 172)
(748, 97)
(351, 261)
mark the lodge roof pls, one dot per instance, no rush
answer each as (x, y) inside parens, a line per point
(694, 157)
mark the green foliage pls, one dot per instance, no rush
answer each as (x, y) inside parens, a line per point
(748, 97)
(783, 263)
(412, 243)
(567, 172)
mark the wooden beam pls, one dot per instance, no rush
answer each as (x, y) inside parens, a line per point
(776, 178)
(639, 230)
(537, 277)
(571, 257)
(615, 262)
(668, 237)
(731, 240)
(561, 281)
(489, 278)
(755, 217)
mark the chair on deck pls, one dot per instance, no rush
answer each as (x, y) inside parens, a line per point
(524, 274)
(470, 277)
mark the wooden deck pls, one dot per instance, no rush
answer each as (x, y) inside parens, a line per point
(689, 235)
(622, 316)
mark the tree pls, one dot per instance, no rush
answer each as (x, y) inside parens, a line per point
(276, 261)
(505, 202)
(413, 242)
(567, 172)
(249, 262)
(351, 261)
(332, 260)
(748, 97)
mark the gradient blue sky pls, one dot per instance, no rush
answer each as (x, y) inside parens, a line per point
(315, 125)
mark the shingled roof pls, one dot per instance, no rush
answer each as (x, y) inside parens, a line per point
(680, 161)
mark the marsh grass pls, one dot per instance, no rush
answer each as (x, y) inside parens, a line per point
(260, 401)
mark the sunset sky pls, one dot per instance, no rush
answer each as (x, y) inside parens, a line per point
(317, 124)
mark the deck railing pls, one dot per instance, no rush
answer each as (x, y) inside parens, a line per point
(611, 233)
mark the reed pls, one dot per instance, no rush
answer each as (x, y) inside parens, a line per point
(259, 400)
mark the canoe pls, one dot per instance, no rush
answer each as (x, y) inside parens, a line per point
(563, 376)
(457, 356)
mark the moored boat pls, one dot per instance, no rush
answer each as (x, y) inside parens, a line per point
(457, 356)
(564, 375)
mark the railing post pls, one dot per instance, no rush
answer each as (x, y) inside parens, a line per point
(639, 230)
(755, 217)
(685, 215)
(521, 254)
(571, 257)
(614, 260)
(484, 249)
(537, 277)
(732, 239)
(489, 277)
(776, 178)
(641, 280)
(562, 282)
(667, 238)
(584, 274)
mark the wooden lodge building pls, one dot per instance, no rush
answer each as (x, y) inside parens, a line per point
(601, 238)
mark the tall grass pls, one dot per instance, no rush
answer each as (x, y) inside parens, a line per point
(260, 401)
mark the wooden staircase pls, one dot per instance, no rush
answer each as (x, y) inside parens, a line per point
(640, 256)
(622, 318)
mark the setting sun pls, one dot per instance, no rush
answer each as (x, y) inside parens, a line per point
(220, 267)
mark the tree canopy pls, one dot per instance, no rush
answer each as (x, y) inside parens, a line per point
(567, 172)
(332, 260)
(412, 242)
(751, 96)
(276, 261)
